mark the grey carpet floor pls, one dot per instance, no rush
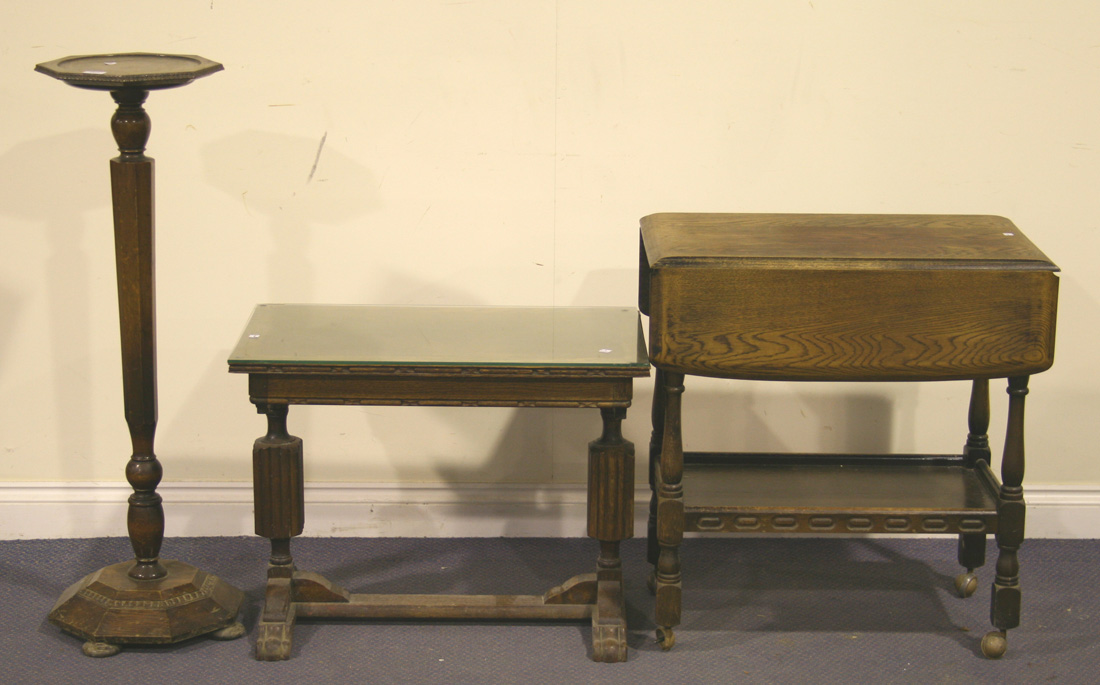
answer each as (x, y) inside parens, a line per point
(756, 610)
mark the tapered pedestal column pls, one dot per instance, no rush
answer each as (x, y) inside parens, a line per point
(147, 600)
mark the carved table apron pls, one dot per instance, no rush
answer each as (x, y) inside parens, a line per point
(441, 356)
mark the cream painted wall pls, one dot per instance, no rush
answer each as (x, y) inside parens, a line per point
(501, 152)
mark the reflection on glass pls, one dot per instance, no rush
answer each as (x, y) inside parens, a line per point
(362, 334)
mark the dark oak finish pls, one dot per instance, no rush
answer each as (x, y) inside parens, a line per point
(146, 601)
(844, 298)
(129, 70)
(274, 384)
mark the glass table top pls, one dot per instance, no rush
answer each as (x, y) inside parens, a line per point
(441, 336)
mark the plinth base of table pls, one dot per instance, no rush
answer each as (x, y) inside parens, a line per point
(108, 608)
(298, 594)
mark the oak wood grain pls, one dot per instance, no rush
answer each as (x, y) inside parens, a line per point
(831, 240)
(793, 324)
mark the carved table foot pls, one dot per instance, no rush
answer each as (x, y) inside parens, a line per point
(285, 587)
(609, 643)
(609, 624)
(273, 641)
(276, 628)
(273, 635)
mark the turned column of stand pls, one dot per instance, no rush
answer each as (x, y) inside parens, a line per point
(147, 600)
(132, 190)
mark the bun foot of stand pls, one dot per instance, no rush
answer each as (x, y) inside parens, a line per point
(966, 584)
(232, 631)
(995, 644)
(99, 650)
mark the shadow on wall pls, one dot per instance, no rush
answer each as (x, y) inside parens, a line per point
(298, 183)
(735, 416)
(61, 179)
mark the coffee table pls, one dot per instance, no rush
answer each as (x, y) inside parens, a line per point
(441, 356)
(792, 297)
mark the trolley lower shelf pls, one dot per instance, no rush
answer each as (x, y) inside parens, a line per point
(780, 493)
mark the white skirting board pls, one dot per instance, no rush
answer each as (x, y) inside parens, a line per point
(85, 510)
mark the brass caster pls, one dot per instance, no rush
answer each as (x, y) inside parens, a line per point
(651, 582)
(994, 644)
(230, 632)
(99, 650)
(666, 638)
(966, 584)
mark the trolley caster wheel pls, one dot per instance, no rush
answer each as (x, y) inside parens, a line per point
(651, 582)
(99, 650)
(966, 584)
(994, 644)
(230, 632)
(666, 638)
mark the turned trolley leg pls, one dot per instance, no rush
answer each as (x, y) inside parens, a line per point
(653, 550)
(972, 545)
(1005, 605)
(279, 491)
(610, 520)
(670, 514)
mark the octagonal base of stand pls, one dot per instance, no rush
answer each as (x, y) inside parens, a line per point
(110, 607)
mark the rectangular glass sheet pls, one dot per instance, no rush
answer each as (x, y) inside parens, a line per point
(441, 336)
